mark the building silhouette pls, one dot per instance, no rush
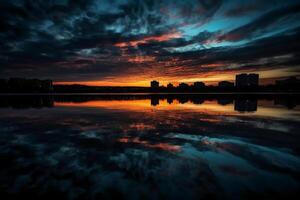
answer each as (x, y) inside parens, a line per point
(241, 80)
(170, 100)
(243, 83)
(245, 105)
(154, 100)
(199, 85)
(289, 84)
(183, 86)
(25, 85)
(170, 86)
(247, 80)
(225, 85)
(253, 80)
(154, 84)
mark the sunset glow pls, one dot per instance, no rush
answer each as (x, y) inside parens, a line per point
(211, 78)
(149, 99)
(159, 38)
(130, 43)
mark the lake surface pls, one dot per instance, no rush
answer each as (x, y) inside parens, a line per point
(149, 147)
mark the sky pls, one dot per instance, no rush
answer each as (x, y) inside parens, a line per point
(131, 42)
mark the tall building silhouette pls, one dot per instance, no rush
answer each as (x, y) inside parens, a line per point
(246, 80)
(253, 80)
(241, 80)
(245, 105)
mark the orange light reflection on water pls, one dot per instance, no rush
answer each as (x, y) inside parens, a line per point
(207, 107)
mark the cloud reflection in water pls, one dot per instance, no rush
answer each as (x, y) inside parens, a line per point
(103, 149)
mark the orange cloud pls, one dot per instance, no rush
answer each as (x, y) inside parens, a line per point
(141, 59)
(212, 65)
(160, 38)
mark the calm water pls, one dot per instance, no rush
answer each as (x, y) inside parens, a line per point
(149, 147)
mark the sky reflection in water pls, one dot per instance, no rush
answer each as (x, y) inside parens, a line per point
(136, 148)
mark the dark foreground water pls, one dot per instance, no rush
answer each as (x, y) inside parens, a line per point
(149, 147)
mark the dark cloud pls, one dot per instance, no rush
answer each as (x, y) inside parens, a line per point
(244, 9)
(255, 27)
(92, 39)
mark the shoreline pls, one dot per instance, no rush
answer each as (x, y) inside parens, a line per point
(153, 93)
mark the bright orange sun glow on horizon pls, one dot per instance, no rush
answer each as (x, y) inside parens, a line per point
(210, 78)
